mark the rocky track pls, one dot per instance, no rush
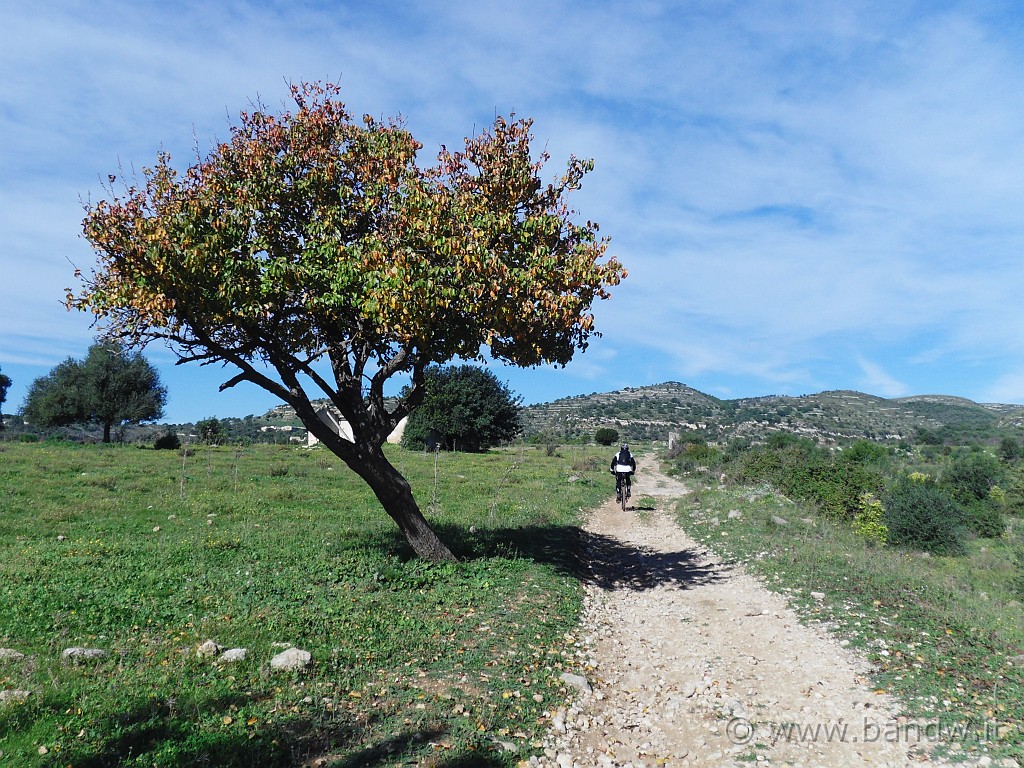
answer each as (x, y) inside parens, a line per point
(691, 662)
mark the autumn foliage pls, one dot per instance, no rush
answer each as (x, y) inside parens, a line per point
(313, 252)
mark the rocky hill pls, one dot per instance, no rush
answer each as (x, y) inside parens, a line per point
(654, 412)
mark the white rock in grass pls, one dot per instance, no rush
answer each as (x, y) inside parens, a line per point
(14, 697)
(292, 659)
(86, 654)
(9, 654)
(232, 655)
(779, 520)
(208, 650)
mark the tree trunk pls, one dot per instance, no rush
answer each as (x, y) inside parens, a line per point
(395, 495)
(106, 431)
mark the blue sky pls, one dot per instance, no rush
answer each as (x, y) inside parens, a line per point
(808, 195)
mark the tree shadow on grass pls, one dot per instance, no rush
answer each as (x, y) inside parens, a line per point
(152, 734)
(592, 558)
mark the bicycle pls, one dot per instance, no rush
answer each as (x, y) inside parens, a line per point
(622, 482)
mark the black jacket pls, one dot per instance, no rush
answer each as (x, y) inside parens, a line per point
(623, 457)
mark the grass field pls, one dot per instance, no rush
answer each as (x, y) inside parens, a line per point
(147, 554)
(945, 635)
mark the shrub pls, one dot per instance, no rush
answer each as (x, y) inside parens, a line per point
(690, 455)
(169, 441)
(606, 436)
(921, 515)
(970, 477)
(28, 437)
(1009, 450)
(868, 522)
(802, 470)
(866, 452)
(986, 519)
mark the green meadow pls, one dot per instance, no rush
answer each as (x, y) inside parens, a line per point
(147, 554)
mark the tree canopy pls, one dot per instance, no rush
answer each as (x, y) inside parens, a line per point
(313, 251)
(5, 383)
(110, 387)
(210, 430)
(466, 408)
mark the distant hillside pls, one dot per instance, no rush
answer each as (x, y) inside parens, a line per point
(651, 413)
(655, 412)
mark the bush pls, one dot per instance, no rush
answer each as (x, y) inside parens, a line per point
(606, 436)
(985, 518)
(866, 452)
(867, 523)
(970, 477)
(169, 441)
(28, 437)
(921, 515)
(695, 453)
(802, 470)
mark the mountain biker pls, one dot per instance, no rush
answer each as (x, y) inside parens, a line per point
(623, 466)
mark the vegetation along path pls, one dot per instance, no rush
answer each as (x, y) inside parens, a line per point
(692, 662)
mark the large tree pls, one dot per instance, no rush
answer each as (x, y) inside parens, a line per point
(110, 387)
(466, 407)
(5, 383)
(314, 254)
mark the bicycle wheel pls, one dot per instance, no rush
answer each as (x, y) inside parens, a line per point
(622, 495)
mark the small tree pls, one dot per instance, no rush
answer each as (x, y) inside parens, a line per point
(5, 383)
(606, 436)
(1009, 450)
(466, 407)
(210, 430)
(314, 254)
(110, 387)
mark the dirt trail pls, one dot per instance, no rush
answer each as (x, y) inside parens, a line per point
(695, 663)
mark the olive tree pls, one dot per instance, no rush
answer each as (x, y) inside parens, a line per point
(466, 407)
(110, 387)
(315, 255)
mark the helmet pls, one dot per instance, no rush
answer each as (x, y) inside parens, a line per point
(625, 447)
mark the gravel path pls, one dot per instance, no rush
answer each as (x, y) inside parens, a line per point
(695, 663)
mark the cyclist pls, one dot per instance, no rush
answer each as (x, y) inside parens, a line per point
(623, 466)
